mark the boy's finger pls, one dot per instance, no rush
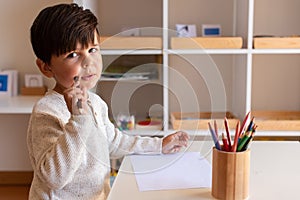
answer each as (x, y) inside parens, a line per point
(183, 135)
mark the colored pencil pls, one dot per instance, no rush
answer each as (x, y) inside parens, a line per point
(250, 126)
(242, 137)
(246, 145)
(216, 128)
(244, 123)
(227, 132)
(243, 141)
(214, 137)
(236, 137)
(225, 143)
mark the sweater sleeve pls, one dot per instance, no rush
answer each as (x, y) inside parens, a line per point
(121, 144)
(55, 149)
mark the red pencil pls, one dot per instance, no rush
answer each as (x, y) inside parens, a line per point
(236, 137)
(227, 132)
(225, 144)
(244, 123)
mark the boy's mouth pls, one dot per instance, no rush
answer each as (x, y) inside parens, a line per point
(87, 77)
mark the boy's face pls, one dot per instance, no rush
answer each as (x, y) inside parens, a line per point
(83, 62)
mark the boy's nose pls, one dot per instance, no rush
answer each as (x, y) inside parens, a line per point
(86, 62)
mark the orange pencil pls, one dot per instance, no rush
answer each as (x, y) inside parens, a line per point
(216, 128)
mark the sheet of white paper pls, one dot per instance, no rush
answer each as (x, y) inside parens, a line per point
(172, 171)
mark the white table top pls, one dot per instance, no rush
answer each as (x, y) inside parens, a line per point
(274, 174)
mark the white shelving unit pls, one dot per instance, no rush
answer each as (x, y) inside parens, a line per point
(240, 66)
(237, 18)
(244, 52)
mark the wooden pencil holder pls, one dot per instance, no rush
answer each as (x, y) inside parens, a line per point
(230, 174)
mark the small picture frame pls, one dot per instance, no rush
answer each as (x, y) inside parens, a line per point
(5, 84)
(33, 80)
(211, 30)
(186, 30)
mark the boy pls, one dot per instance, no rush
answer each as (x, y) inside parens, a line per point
(70, 138)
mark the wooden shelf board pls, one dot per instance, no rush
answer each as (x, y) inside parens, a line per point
(276, 43)
(277, 120)
(206, 43)
(139, 43)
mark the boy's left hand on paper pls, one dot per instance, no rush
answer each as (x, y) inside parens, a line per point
(74, 96)
(174, 142)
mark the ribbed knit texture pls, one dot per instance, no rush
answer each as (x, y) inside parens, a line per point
(70, 154)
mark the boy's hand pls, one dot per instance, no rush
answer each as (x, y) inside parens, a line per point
(76, 99)
(173, 143)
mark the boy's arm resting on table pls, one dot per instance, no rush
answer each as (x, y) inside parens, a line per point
(122, 144)
(55, 149)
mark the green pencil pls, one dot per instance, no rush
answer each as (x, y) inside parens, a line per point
(243, 141)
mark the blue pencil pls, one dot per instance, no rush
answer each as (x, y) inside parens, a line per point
(214, 137)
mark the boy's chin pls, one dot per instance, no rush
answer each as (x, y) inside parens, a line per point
(90, 86)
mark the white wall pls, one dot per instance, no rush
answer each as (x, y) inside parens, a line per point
(16, 17)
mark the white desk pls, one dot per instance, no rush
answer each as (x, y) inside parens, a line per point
(275, 174)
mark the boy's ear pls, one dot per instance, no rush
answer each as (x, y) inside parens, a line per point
(44, 68)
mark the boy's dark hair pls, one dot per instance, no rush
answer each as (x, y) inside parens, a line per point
(58, 29)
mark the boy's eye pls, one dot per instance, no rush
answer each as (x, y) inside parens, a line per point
(93, 50)
(72, 55)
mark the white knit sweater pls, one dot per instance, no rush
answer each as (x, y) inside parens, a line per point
(70, 154)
